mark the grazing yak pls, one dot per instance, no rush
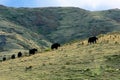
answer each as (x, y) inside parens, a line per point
(19, 54)
(55, 46)
(92, 39)
(4, 58)
(13, 56)
(32, 51)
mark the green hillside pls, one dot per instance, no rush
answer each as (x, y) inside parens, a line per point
(73, 61)
(25, 28)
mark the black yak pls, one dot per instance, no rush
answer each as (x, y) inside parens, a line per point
(13, 56)
(92, 39)
(4, 58)
(19, 54)
(55, 46)
(32, 51)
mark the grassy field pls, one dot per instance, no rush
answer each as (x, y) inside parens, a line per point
(73, 61)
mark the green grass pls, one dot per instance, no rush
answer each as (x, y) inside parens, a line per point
(62, 25)
(39, 28)
(73, 61)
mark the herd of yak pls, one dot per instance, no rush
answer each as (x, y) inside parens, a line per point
(53, 46)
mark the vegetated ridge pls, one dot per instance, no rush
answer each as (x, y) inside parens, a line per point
(25, 28)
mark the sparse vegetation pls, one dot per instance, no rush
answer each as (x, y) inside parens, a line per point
(98, 61)
(24, 28)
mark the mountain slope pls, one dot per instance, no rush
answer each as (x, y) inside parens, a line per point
(39, 27)
(70, 62)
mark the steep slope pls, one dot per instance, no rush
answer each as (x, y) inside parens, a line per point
(65, 24)
(110, 16)
(15, 36)
(73, 61)
(44, 26)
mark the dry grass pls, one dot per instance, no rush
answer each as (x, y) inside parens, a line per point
(75, 61)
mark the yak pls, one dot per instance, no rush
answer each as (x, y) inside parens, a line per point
(55, 46)
(32, 51)
(19, 54)
(92, 39)
(13, 56)
(4, 58)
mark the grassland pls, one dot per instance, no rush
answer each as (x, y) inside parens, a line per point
(74, 61)
(25, 28)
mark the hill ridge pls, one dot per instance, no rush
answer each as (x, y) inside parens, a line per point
(44, 26)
